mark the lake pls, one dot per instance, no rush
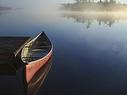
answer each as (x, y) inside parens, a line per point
(90, 49)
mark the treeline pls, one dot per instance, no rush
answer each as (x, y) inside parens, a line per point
(4, 8)
(95, 5)
(98, 1)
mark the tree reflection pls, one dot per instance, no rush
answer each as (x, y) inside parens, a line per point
(101, 19)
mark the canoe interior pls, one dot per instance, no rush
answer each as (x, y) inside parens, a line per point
(36, 48)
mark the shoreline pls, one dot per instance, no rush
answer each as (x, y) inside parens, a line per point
(5, 8)
(98, 7)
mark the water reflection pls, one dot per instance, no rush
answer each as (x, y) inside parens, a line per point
(2, 13)
(38, 79)
(101, 18)
(14, 82)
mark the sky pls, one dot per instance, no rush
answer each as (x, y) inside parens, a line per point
(35, 3)
(31, 3)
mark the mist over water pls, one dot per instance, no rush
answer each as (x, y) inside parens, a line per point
(89, 47)
(102, 18)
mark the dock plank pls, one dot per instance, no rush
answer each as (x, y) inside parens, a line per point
(12, 44)
(10, 47)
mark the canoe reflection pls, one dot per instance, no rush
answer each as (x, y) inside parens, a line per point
(13, 80)
(35, 83)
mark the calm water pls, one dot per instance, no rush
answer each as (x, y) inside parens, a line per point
(90, 50)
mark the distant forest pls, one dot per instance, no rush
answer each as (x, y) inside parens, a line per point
(99, 1)
(4, 8)
(95, 5)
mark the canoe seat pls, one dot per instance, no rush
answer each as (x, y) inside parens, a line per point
(38, 46)
(38, 50)
(30, 57)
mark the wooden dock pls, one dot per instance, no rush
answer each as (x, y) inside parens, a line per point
(10, 47)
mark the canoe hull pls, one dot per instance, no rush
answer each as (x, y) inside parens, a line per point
(34, 66)
(34, 85)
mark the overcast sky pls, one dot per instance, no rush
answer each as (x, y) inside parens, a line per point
(34, 3)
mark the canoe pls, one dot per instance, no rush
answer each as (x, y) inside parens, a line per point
(35, 54)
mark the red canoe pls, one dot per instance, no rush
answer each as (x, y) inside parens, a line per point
(35, 83)
(35, 54)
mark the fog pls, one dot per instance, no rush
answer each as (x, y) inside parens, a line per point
(28, 4)
(32, 3)
(37, 3)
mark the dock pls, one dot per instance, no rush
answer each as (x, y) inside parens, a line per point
(10, 47)
(12, 44)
